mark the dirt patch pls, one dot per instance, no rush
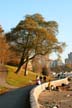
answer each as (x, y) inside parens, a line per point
(62, 98)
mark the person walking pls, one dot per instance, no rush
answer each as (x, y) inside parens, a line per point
(38, 82)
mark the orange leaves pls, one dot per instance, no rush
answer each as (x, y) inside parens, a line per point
(30, 23)
(1, 30)
(34, 34)
(3, 49)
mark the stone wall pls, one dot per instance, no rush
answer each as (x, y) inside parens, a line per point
(34, 94)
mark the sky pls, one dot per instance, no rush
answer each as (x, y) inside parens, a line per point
(12, 11)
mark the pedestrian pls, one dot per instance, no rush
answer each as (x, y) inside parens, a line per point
(44, 79)
(41, 79)
(38, 82)
(49, 85)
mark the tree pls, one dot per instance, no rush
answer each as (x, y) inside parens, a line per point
(3, 48)
(34, 36)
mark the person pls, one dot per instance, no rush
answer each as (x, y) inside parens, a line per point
(49, 85)
(41, 79)
(44, 78)
(38, 82)
(56, 106)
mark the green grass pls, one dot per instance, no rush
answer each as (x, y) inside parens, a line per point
(3, 90)
(19, 79)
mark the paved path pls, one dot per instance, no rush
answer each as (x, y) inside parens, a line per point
(18, 98)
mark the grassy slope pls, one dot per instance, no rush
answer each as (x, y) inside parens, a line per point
(19, 79)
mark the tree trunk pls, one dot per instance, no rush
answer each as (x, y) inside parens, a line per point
(20, 64)
(19, 67)
(25, 72)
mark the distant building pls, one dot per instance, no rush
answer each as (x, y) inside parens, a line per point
(57, 62)
(69, 59)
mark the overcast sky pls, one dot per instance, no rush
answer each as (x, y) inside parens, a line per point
(12, 11)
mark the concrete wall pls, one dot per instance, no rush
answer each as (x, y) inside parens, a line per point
(60, 82)
(34, 94)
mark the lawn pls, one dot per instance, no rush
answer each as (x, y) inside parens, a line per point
(19, 80)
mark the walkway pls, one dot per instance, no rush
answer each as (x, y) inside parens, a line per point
(18, 98)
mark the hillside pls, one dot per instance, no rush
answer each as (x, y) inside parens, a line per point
(10, 80)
